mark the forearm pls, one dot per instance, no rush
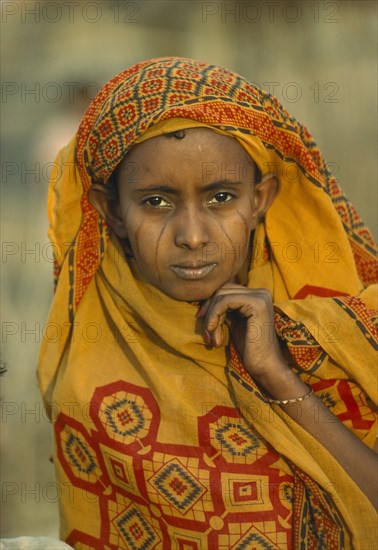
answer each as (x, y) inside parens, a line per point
(243, 309)
(360, 462)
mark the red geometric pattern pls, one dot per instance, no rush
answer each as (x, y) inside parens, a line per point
(122, 412)
(360, 239)
(244, 491)
(236, 441)
(311, 290)
(366, 268)
(302, 346)
(180, 486)
(133, 530)
(226, 488)
(187, 545)
(119, 471)
(177, 485)
(348, 402)
(321, 530)
(77, 454)
(204, 494)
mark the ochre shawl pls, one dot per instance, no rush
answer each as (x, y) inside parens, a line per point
(160, 441)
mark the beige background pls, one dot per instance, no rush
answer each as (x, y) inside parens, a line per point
(318, 57)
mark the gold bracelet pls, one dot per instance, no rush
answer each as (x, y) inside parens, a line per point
(288, 401)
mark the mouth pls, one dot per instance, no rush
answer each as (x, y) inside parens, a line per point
(193, 272)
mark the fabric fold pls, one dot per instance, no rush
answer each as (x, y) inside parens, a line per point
(163, 441)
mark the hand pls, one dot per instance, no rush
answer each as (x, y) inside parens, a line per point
(249, 315)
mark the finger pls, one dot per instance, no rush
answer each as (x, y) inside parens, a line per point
(214, 329)
(232, 285)
(216, 337)
(261, 298)
(203, 310)
(230, 302)
(232, 289)
(207, 303)
(237, 289)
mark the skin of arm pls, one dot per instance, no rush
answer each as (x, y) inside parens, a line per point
(242, 309)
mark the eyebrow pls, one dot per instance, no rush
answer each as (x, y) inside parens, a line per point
(173, 191)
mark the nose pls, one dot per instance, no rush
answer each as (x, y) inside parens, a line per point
(191, 228)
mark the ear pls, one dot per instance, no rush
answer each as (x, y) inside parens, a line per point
(265, 192)
(99, 198)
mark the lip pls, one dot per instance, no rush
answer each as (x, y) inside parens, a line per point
(193, 271)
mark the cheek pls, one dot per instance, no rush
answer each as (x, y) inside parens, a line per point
(238, 229)
(146, 241)
(248, 212)
(241, 236)
(244, 224)
(134, 232)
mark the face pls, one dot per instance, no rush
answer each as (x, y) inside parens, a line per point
(187, 208)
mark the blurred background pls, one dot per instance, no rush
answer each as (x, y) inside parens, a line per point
(318, 58)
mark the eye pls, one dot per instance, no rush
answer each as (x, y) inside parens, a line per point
(220, 197)
(156, 202)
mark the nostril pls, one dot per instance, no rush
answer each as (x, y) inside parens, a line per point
(191, 232)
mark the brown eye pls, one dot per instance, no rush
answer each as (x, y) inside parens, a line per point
(156, 202)
(220, 197)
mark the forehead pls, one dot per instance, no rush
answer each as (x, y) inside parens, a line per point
(198, 146)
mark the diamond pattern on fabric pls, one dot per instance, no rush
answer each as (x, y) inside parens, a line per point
(79, 455)
(135, 531)
(237, 439)
(125, 417)
(76, 452)
(177, 485)
(255, 541)
(232, 438)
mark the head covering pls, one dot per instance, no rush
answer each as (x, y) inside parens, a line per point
(153, 91)
(313, 253)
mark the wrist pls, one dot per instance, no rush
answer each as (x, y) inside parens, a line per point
(291, 400)
(281, 383)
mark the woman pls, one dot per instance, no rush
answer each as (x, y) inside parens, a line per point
(181, 419)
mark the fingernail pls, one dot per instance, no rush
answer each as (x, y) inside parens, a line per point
(218, 337)
(200, 312)
(207, 337)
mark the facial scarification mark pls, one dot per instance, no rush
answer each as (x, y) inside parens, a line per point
(245, 223)
(136, 245)
(227, 236)
(157, 250)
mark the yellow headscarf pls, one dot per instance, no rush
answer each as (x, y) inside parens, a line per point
(312, 252)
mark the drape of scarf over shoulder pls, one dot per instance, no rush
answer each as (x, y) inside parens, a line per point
(160, 441)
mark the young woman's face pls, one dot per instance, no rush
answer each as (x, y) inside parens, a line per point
(188, 207)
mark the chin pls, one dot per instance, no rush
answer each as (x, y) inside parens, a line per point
(192, 298)
(190, 295)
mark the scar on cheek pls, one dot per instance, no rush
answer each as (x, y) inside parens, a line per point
(135, 241)
(244, 223)
(232, 247)
(157, 250)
